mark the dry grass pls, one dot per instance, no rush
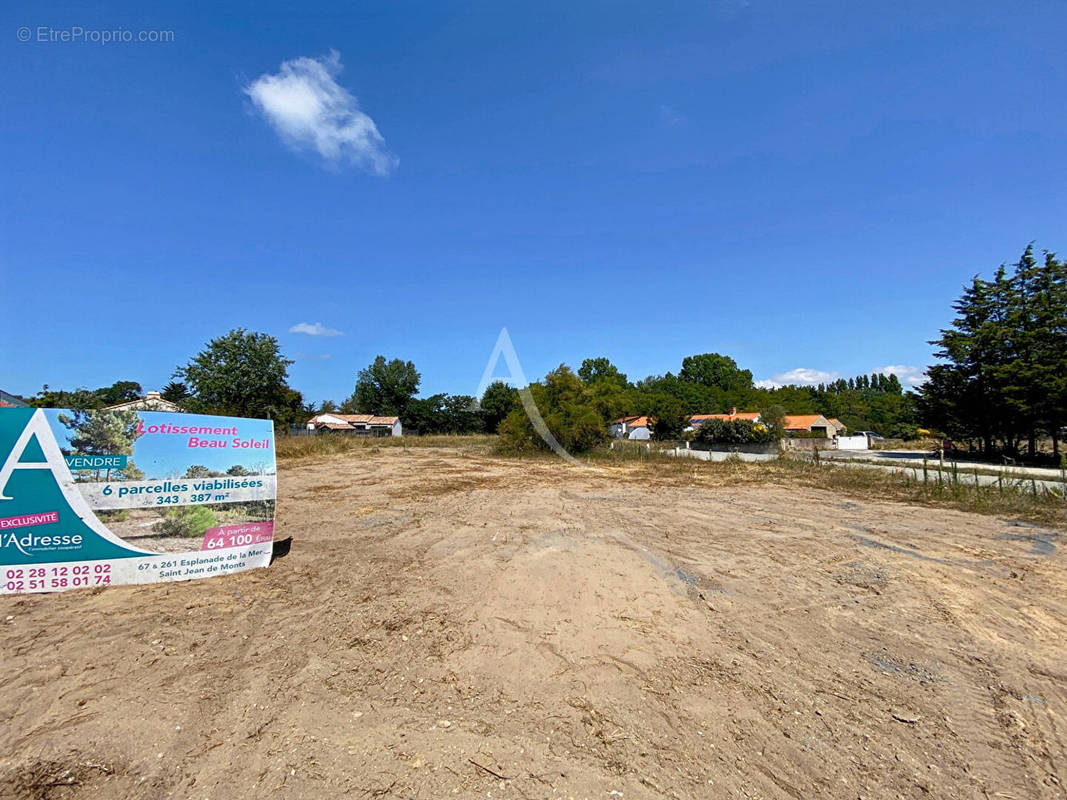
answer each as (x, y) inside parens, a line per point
(651, 468)
(295, 448)
(869, 484)
(1010, 500)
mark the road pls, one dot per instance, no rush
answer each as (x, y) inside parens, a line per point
(894, 457)
(971, 472)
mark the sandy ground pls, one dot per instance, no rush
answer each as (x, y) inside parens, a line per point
(451, 625)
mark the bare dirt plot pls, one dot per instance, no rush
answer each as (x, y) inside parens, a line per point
(450, 624)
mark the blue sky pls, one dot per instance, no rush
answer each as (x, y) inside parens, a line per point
(797, 185)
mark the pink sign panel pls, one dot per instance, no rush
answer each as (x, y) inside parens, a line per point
(24, 521)
(238, 535)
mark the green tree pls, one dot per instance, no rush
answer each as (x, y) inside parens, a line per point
(597, 369)
(425, 415)
(301, 411)
(497, 402)
(462, 414)
(668, 417)
(384, 388)
(120, 392)
(695, 398)
(81, 399)
(610, 398)
(713, 369)
(564, 406)
(1000, 381)
(175, 392)
(773, 418)
(99, 432)
(241, 374)
(1050, 306)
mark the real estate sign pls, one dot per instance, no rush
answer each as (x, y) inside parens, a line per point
(95, 498)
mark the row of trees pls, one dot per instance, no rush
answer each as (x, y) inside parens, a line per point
(867, 402)
(244, 373)
(578, 406)
(118, 392)
(1002, 380)
(389, 388)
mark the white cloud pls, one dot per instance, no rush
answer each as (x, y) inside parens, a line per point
(313, 356)
(909, 376)
(314, 329)
(310, 110)
(801, 376)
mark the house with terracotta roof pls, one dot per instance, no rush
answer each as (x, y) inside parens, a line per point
(632, 427)
(811, 423)
(357, 424)
(792, 423)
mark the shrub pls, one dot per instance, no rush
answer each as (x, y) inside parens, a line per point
(773, 417)
(733, 431)
(563, 403)
(189, 521)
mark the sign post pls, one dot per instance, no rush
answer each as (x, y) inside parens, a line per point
(97, 498)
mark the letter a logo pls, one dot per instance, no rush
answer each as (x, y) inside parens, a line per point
(37, 428)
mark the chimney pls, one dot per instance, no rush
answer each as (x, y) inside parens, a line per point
(733, 411)
(153, 396)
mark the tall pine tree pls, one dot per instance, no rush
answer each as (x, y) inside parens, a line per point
(1002, 380)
